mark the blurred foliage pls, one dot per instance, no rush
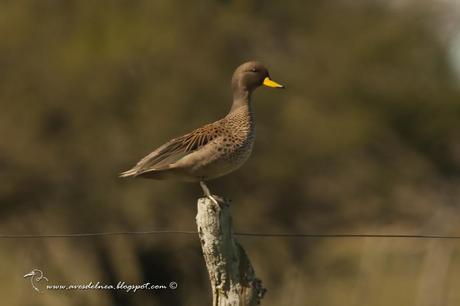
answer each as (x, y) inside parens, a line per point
(364, 140)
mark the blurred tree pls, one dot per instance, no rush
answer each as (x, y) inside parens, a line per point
(364, 139)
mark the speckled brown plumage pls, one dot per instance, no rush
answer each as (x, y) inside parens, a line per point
(215, 149)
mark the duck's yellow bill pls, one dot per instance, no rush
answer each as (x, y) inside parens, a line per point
(269, 83)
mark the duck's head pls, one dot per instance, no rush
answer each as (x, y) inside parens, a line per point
(251, 75)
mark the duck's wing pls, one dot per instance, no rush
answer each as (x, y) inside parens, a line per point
(175, 149)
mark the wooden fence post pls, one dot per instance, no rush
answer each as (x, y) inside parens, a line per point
(233, 280)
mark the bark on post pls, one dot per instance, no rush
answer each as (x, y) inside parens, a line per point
(233, 280)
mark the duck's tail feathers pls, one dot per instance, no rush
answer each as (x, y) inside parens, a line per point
(130, 173)
(158, 173)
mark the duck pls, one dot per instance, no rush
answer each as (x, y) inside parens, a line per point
(215, 149)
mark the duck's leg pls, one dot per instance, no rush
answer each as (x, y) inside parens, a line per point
(207, 193)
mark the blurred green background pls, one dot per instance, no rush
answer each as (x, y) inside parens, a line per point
(364, 140)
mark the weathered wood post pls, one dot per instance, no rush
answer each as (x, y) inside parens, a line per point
(233, 280)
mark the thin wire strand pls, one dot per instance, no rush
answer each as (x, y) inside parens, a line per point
(299, 235)
(241, 234)
(97, 234)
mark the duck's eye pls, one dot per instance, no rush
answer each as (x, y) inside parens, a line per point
(254, 70)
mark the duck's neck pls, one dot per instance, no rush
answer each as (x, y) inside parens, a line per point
(241, 98)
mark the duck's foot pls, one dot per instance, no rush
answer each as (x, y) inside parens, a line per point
(214, 198)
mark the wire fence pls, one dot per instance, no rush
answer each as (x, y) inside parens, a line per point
(240, 234)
